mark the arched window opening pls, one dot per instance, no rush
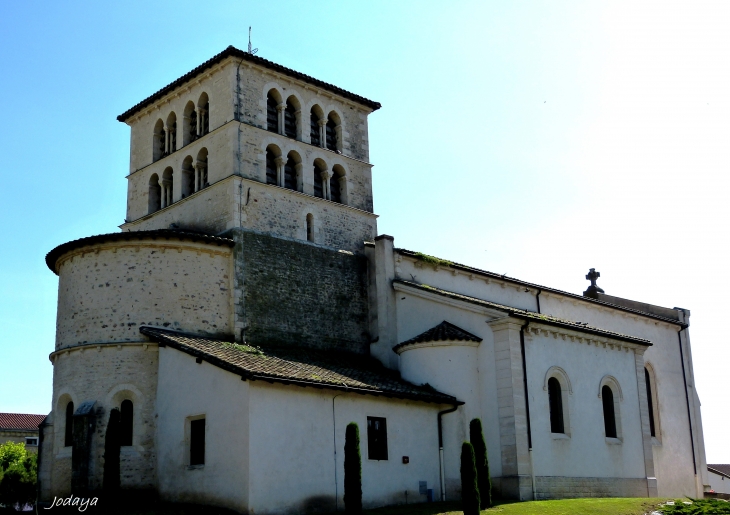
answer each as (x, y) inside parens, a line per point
(158, 141)
(155, 194)
(201, 170)
(555, 394)
(609, 413)
(310, 227)
(190, 123)
(650, 401)
(315, 126)
(188, 177)
(203, 115)
(272, 170)
(166, 188)
(290, 118)
(171, 130)
(290, 173)
(318, 182)
(336, 184)
(68, 437)
(331, 133)
(272, 113)
(126, 422)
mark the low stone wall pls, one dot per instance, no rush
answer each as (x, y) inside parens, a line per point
(556, 487)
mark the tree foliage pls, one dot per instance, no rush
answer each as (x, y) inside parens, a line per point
(353, 470)
(484, 481)
(469, 488)
(18, 475)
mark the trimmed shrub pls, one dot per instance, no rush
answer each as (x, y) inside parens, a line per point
(18, 475)
(353, 470)
(484, 481)
(469, 488)
(112, 475)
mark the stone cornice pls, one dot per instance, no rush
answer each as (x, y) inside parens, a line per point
(444, 343)
(536, 329)
(98, 346)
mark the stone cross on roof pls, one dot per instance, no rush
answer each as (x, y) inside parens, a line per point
(593, 289)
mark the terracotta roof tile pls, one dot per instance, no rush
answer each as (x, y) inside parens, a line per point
(443, 332)
(232, 51)
(299, 366)
(527, 315)
(20, 421)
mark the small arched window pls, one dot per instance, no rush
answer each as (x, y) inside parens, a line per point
(650, 401)
(272, 170)
(331, 132)
(609, 412)
(555, 394)
(68, 437)
(190, 123)
(315, 129)
(290, 118)
(337, 179)
(203, 114)
(318, 182)
(155, 195)
(158, 141)
(310, 227)
(188, 177)
(272, 114)
(290, 173)
(126, 422)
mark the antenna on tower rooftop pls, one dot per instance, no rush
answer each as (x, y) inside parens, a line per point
(251, 51)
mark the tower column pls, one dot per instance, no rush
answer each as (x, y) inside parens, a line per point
(167, 140)
(280, 162)
(326, 174)
(322, 132)
(199, 124)
(280, 112)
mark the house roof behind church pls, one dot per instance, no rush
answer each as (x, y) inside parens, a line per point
(443, 332)
(299, 366)
(721, 469)
(527, 315)
(232, 51)
(20, 421)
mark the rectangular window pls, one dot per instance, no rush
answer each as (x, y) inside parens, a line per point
(377, 439)
(32, 441)
(197, 442)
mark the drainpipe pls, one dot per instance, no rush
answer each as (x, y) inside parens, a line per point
(686, 397)
(441, 449)
(527, 400)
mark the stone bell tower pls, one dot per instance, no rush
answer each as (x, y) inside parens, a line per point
(241, 142)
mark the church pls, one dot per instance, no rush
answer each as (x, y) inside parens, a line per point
(248, 310)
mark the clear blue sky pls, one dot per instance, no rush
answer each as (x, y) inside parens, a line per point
(536, 139)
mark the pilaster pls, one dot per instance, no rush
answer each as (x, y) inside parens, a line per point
(645, 425)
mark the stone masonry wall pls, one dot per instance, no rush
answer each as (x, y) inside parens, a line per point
(298, 294)
(555, 487)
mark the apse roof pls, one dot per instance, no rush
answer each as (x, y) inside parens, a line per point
(20, 421)
(299, 366)
(527, 315)
(232, 51)
(445, 331)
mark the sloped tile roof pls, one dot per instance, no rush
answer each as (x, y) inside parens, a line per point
(527, 315)
(443, 332)
(20, 421)
(722, 469)
(232, 51)
(167, 234)
(299, 366)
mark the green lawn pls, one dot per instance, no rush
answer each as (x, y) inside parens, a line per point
(630, 506)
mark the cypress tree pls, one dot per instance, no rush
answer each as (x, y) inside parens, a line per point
(469, 488)
(353, 470)
(484, 482)
(112, 447)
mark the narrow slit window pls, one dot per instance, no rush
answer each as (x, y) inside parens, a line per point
(555, 393)
(650, 401)
(271, 168)
(335, 193)
(197, 442)
(377, 439)
(609, 413)
(310, 227)
(318, 184)
(331, 134)
(272, 115)
(68, 437)
(126, 422)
